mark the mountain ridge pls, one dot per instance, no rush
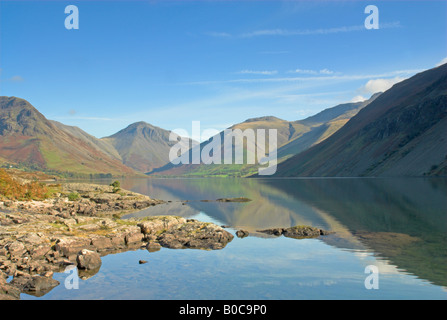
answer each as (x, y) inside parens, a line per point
(292, 137)
(405, 122)
(28, 138)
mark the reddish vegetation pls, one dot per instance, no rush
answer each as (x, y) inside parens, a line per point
(19, 148)
(11, 189)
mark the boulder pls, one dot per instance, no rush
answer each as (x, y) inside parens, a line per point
(101, 243)
(195, 235)
(36, 285)
(69, 246)
(16, 249)
(299, 232)
(156, 225)
(88, 260)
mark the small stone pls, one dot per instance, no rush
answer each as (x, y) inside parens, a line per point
(242, 233)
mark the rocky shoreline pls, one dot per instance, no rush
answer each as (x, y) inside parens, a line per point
(82, 223)
(38, 238)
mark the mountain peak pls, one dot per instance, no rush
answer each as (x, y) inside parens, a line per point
(265, 118)
(18, 116)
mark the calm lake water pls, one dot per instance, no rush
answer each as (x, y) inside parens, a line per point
(396, 225)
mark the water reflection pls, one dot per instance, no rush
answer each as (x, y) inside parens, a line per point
(401, 221)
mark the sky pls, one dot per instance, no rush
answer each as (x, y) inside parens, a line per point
(218, 62)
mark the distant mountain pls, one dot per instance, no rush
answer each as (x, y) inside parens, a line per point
(401, 133)
(29, 139)
(285, 131)
(142, 146)
(292, 138)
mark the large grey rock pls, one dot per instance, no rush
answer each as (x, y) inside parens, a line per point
(36, 285)
(195, 235)
(157, 225)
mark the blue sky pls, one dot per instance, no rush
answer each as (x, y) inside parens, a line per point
(219, 62)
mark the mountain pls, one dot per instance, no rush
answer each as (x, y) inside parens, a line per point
(142, 146)
(285, 131)
(401, 133)
(29, 139)
(98, 144)
(323, 125)
(292, 138)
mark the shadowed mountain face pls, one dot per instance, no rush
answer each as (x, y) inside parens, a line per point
(292, 138)
(142, 146)
(401, 133)
(27, 137)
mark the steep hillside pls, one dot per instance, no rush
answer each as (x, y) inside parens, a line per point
(401, 133)
(29, 139)
(323, 125)
(98, 144)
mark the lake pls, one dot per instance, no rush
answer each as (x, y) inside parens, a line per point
(399, 226)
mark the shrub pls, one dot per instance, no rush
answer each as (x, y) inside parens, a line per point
(73, 196)
(115, 184)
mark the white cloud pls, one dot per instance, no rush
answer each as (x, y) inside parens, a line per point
(443, 61)
(303, 71)
(265, 72)
(358, 98)
(379, 85)
(326, 71)
(312, 72)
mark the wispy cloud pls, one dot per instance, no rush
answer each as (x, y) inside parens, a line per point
(300, 32)
(219, 34)
(318, 77)
(312, 72)
(261, 72)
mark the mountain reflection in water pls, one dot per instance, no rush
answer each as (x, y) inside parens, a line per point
(401, 220)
